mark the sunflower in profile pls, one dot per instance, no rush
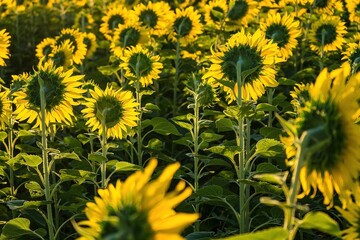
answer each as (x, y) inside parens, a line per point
(128, 35)
(300, 95)
(116, 108)
(62, 55)
(282, 30)
(154, 17)
(91, 43)
(352, 56)
(149, 66)
(241, 12)
(254, 52)
(115, 15)
(333, 106)
(215, 13)
(4, 46)
(353, 7)
(44, 48)
(185, 25)
(327, 34)
(77, 41)
(62, 91)
(5, 108)
(138, 208)
(84, 21)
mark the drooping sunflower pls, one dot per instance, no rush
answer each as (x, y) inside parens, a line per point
(77, 41)
(5, 108)
(149, 66)
(333, 105)
(253, 52)
(154, 17)
(117, 108)
(62, 90)
(353, 7)
(62, 55)
(185, 25)
(352, 56)
(128, 35)
(215, 13)
(91, 43)
(83, 21)
(327, 34)
(138, 208)
(283, 30)
(241, 12)
(4, 46)
(44, 48)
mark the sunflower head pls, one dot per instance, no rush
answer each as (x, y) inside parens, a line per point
(215, 13)
(300, 95)
(83, 21)
(91, 44)
(62, 55)
(331, 162)
(5, 108)
(138, 208)
(4, 46)
(77, 42)
(353, 8)
(45, 47)
(352, 55)
(241, 12)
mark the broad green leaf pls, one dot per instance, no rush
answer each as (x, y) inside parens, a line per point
(269, 148)
(275, 233)
(97, 157)
(32, 160)
(79, 176)
(224, 124)
(126, 166)
(227, 151)
(108, 70)
(286, 81)
(270, 178)
(266, 107)
(210, 137)
(322, 222)
(182, 124)
(154, 144)
(72, 156)
(270, 132)
(163, 126)
(17, 227)
(151, 106)
(267, 168)
(3, 135)
(34, 188)
(24, 133)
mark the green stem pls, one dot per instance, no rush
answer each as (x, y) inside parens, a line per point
(47, 185)
(177, 77)
(11, 155)
(103, 151)
(138, 100)
(270, 95)
(322, 49)
(196, 156)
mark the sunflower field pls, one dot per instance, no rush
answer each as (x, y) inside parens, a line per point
(180, 119)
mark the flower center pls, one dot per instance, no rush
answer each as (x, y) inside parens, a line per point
(141, 62)
(46, 50)
(110, 109)
(278, 33)
(69, 37)
(239, 10)
(87, 42)
(216, 17)
(329, 32)
(127, 223)
(114, 21)
(148, 18)
(44, 2)
(249, 58)
(324, 114)
(129, 37)
(3, 8)
(321, 3)
(53, 90)
(183, 26)
(59, 58)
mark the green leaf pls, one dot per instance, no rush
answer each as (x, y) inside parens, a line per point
(3, 135)
(17, 227)
(97, 157)
(151, 106)
(72, 156)
(266, 107)
(322, 222)
(269, 148)
(270, 132)
(163, 126)
(270, 178)
(267, 168)
(210, 137)
(275, 233)
(32, 160)
(35, 189)
(79, 176)
(227, 151)
(108, 70)
(126, 166)
(210, 191)
(154, 144)
(24, 133)
(182, 124)
(224, 124)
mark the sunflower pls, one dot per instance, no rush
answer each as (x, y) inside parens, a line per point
(115, 16)
(333, 105)
(77, 41)
(44, 48)
(91, 44)
(183, 3)
(300, 95)
(62, 90)
(352, 56)
(62, 55)
(254, 52)
(149, 66)
(18, 81)
(353, 7)
(283, 30)
(128, 35)
(45, 3)
(6, 6)
(116, 107)
(84, 21)
(241, 12)
(5, 108)
(352, 214)
(215, 13)
(185, 25)
(138, 208)
(327, 34)
(4, 46)
(326, 7)
(154, 17)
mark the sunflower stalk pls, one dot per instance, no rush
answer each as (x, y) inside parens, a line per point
(103, 150)
(323, 32)
(177, 76)
(138, 100)
(46, 167)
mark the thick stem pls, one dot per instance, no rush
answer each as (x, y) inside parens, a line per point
(176, 78)
(103, 151)
(138, 100)
(11, 155)
(47, 186)
(270, 95)
(196, 156)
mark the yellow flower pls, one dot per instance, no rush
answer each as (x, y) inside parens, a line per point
(44, 48)
(300, 95)
(333, 105)
(116, 108)
(353, 7)
(253, 52)
(241, 12)
(4, 46)
(62, 89)
(283, 30)
(91, 44)
(327, 33)
(352, 56)
(138, 208)
(185, 26)
(77, 41)
(5, 108)
(149, 66)
(6, 6)
(84, 21)
(326, 7)
(62, 55)
(215, 13)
